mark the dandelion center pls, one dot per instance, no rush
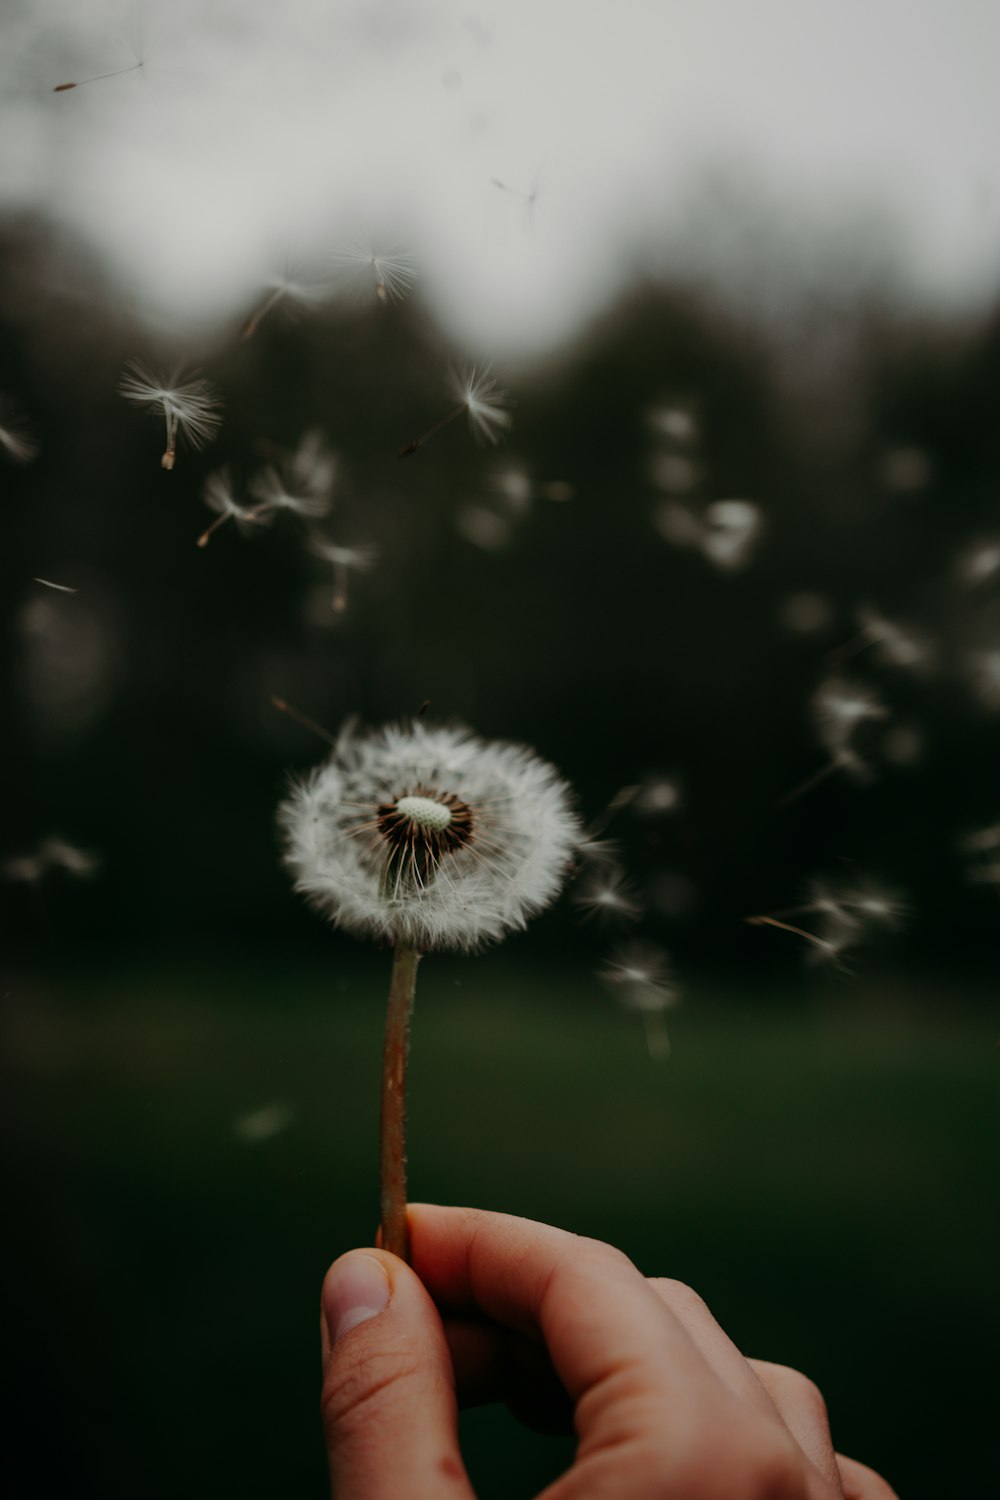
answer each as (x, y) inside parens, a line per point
(425, 812)
(418, 830)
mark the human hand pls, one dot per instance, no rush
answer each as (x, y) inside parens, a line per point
(496, 1307)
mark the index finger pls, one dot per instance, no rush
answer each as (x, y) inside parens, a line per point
(587, 1301)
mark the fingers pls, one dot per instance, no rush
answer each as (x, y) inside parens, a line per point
(650, 1412)
(389, 1409)
(716, 1346)
(803, 1411)
(862, 1483)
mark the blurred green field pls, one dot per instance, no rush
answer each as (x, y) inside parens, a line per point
(823, 1172)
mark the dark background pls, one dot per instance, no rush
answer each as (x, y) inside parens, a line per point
(817, 1156)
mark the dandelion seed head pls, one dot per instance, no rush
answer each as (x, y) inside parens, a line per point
(430, 837)
(389, 272)
(840, 707)
(732, 528)
(190, 408)
(269, 488)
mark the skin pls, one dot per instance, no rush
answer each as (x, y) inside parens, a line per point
(573, 1337)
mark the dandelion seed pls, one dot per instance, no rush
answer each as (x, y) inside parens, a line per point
(190, 408)
(217, 493)
(390, 273)
(62, 88)
(609, 896)
(53, 853)
(679, 526)
(893, 644)
(732, 528)
(839, 710)
(344, 561)
(290, 294)
(483, 528)
(269, 488)
(429, 839)
(655, 795)
(529, 199)
(17, 438)
(480, 399)
(641, 976)
(677, 423)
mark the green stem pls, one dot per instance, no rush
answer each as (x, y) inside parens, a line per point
(392, 1135)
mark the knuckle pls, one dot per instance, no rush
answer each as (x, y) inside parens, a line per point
(679, 1295)
(795, 1386)
(774, 1472)
(353, 1390)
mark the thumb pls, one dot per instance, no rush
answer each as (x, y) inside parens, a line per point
(389, 1410)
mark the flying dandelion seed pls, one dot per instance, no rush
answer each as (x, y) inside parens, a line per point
(189, 408)
(529, 199)
(608, 895)
(344, 561)
(641, 976)
(289, 294)
(427, 839)
(840, 708)
(892, 644)
(272, 493)
(677, 423)
(17, 438)
(219, 495)
(53, 853)
(483, 528)
(389, 273)
(732, 530)
(655, 795)
(842, 915)
(480, 399)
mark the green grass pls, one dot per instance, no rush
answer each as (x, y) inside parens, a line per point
(824, 1175)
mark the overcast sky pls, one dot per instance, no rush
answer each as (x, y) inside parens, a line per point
(256, 133)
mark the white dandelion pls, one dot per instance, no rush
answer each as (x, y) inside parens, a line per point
(840, 709)
(427, 839)
(642, 978)
(479, 398)
(388, 272)
(17, 437)
(190, 408)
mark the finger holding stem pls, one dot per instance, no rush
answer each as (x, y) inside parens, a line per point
(392, 1140)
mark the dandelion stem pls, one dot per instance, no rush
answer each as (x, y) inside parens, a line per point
(60, 88)
(392, 1135)
(419, 442)
(304, 720)
(810, 782)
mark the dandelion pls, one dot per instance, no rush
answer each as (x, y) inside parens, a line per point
(217, 493)
(390, 273)
(189, 408)
(427, 839)
(344, 561)
(17, 438)
(480, 399)
(641, 976)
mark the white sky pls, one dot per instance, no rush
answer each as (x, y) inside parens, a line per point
(257, 131)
